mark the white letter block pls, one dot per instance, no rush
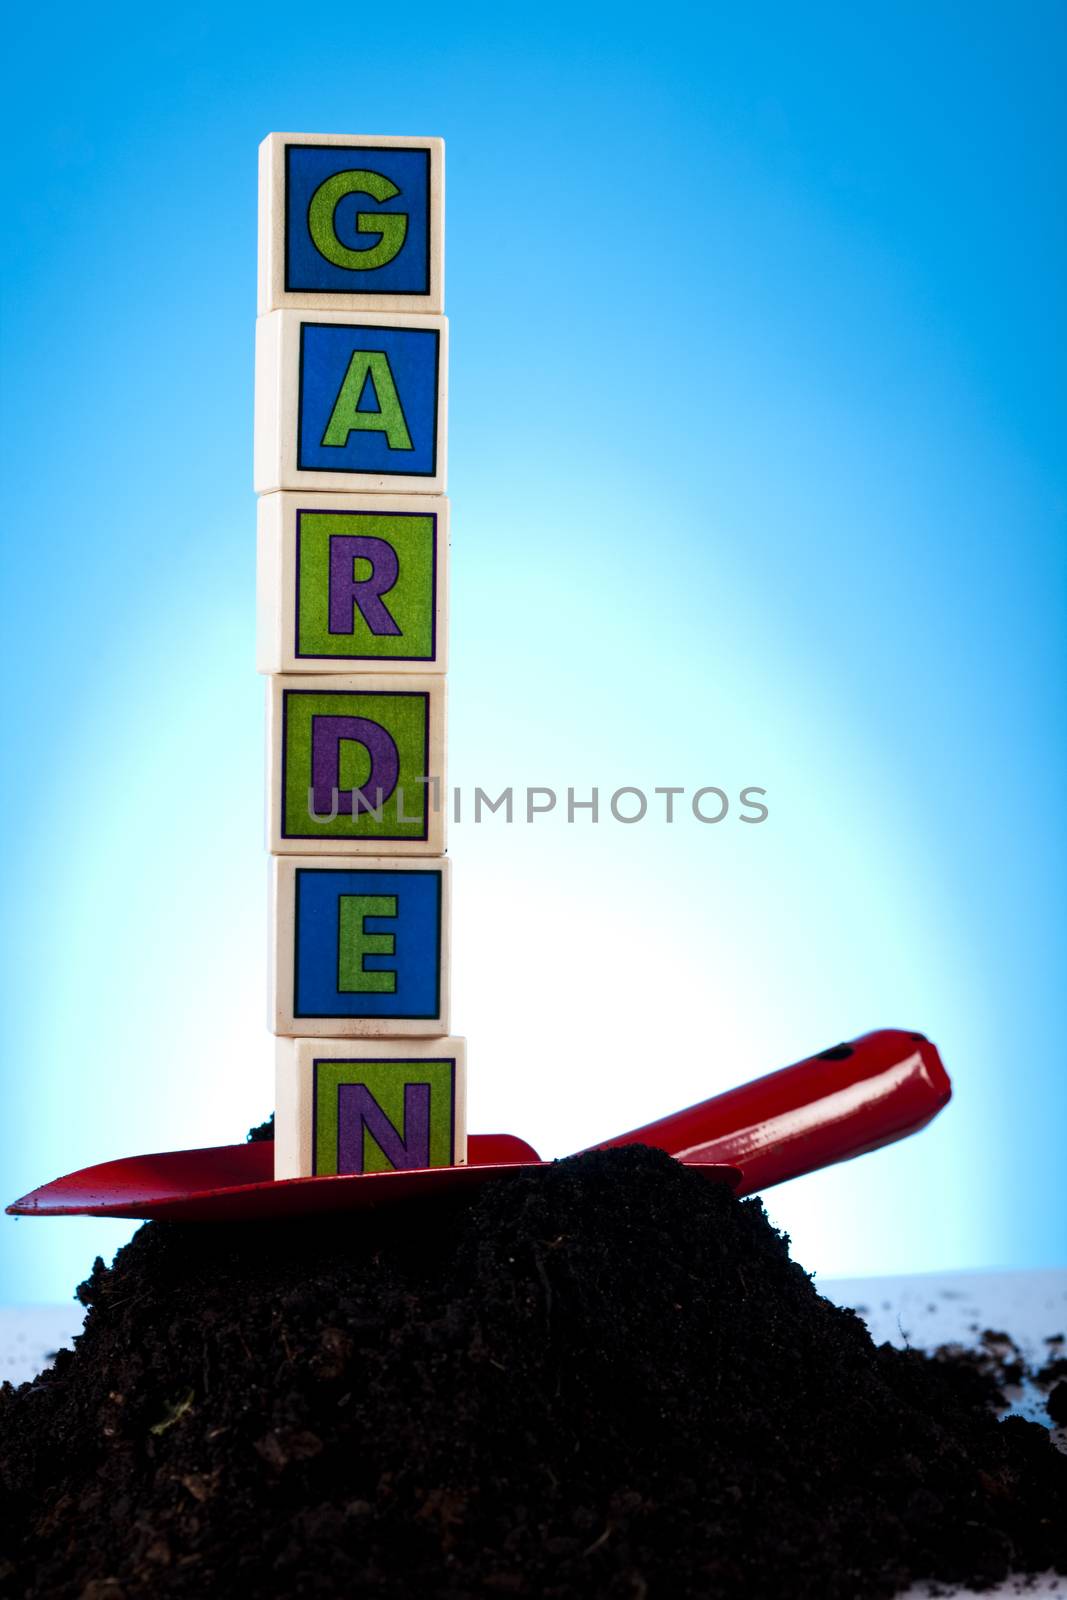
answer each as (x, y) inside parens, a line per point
(352, 583)
(349, 222)
(351, 403)
(357, 765)
(360, 946)
(369, 1105)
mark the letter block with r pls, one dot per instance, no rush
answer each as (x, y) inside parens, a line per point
(352, 583)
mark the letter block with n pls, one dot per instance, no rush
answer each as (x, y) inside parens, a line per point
(375, 1105)
(349, 403)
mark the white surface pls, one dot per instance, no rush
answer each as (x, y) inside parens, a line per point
(922, 1311)
(957, 1307)
(31, 1335)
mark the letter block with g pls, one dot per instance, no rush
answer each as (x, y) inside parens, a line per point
(350, 223)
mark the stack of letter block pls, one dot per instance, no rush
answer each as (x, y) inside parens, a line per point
(351, 432)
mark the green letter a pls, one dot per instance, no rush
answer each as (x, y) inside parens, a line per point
(346, 417)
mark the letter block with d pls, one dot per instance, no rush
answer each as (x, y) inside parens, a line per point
(360, 948)
(352, 583)
(351, 404)
(351, 223)
(356, 765)
(374, 1105)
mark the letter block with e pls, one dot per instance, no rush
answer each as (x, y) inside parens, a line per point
(351, 404)
(359, 948)
(375, 1105)
(356, 765)
(352, 583)
(351, 223)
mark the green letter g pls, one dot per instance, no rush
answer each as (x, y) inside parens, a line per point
(391, 225)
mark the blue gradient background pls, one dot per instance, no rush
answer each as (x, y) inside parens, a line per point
(757, 470)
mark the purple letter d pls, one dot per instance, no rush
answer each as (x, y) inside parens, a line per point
(327, 735)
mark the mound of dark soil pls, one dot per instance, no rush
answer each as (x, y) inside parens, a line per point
(604, 1378)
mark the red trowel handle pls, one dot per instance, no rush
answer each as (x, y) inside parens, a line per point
(838, 1104)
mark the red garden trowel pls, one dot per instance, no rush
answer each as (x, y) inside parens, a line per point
(838, 1104)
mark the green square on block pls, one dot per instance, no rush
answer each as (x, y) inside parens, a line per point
(404, 1116)
(365, 585)
(373, 741)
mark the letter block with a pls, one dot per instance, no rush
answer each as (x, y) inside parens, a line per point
(352, 583)
(349, 403)
(359, 948)
(356, 765)
(351, 223)
(369, 1105)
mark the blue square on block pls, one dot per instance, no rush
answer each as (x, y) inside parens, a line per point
(323, 985)
(368, 399)
(333, 194)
